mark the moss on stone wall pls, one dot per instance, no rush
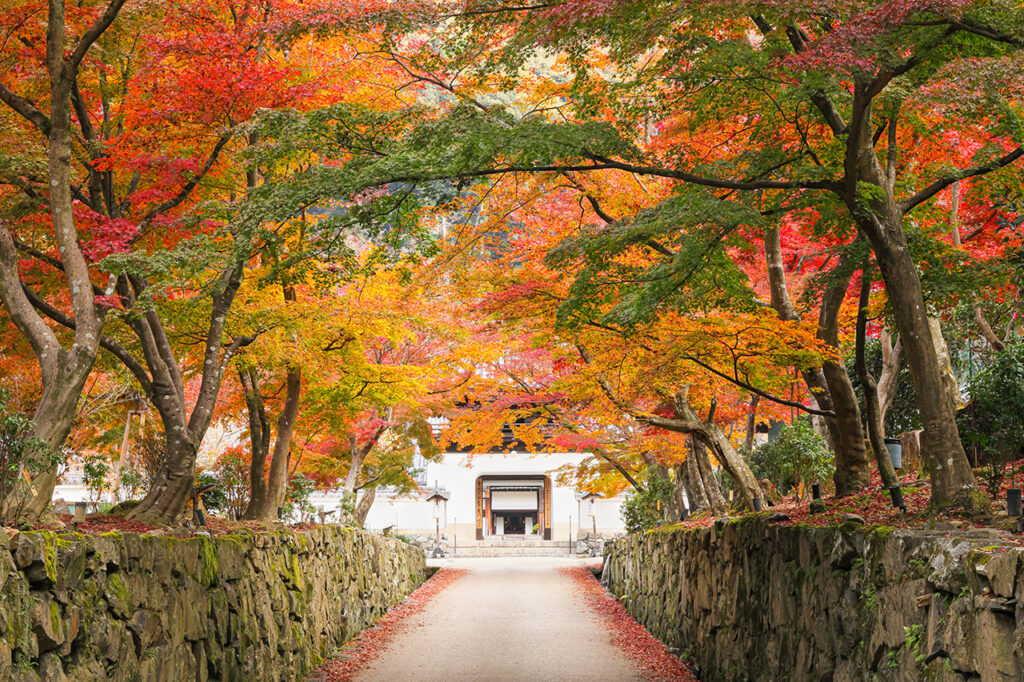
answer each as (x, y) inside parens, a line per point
(750, 600)
(248, 606)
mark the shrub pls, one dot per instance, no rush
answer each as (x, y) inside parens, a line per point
(20, 453)
(993, 424)
(798, 454)
(96, 467)
(640, 510)
(300, 486)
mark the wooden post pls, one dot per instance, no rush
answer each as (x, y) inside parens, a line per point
(479, 508)
(547, 508)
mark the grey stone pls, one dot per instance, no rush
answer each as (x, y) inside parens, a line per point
(47, 623)
(50, 668)
(934, 646)
(810, 603)
(158, 607)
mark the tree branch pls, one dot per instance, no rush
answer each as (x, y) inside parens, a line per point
(55, 263)
(191, 184)
(27, 110)
(107, 343)
(745, 185)
(909, 204)
(42, 339)
(94, 32)
(500, 10)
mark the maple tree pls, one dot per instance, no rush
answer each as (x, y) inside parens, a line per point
(57, 48)
(631, 229)
(817, 119)
(389, 367)
(158, 111)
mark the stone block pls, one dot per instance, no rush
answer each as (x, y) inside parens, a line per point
(47, 623)
(1001, 571)
(934, 643)
(170, 608)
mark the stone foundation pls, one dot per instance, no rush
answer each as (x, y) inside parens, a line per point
(746, 600)
(266, 606)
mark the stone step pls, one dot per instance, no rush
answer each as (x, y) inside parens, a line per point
(529, 543)
(478, 552)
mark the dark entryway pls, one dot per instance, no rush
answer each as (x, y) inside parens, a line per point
(515, 524)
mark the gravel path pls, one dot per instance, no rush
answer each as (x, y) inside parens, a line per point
(508, 619)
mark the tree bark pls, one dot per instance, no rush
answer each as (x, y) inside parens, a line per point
(364, 505)
(945, 362)
(670, 510)
(953, 483)
(986, 330)
(876, 431)
(830, 384)
(259, 442)
(748, 438)
(350, 485)
(690, 489)
(695, 493)
(892, 360)
(184, 430)
(277, 485)
(687, 421)
(268, 492)
(880, 218)
(706, 473)
(63, 370)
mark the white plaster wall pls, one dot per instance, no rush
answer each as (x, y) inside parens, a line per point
(457, 474)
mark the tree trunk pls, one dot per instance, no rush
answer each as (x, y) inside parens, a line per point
(682, 486)
(987, 331)
(277, 485)
(670, 508)
(695, 492)
(830, 385)
(876, 431)
(748, 438)
(259, 441)
(706, 473)
(363, 506)
(953, 483)
(712, 436)
(52, 423)
(165, 501)
(349, 487)
(945, 363)
(892, 360)
(270, 494)
(184, 431)
(64, 370)
(879, 217)
(853, 468)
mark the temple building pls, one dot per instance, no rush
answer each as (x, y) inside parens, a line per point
(497, 495)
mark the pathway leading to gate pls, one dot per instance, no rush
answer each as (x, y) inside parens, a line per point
(512, 618)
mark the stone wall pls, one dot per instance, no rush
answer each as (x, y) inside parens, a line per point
(428, 543)
(747, 600)
(265, 606)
